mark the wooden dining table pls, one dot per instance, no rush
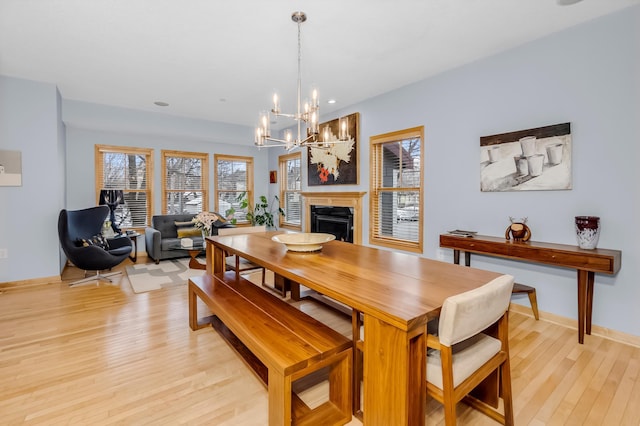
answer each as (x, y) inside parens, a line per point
(396, 293)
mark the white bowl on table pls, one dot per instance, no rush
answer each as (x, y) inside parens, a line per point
(304, 241)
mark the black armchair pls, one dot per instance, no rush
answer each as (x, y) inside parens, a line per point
(79, 233)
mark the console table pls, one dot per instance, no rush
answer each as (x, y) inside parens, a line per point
(585, 262)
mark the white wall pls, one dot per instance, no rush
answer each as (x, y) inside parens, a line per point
(29, 123)
(588, 76)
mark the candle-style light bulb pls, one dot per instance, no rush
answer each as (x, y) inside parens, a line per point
(276, 105)
(314, 122)
(259, 139)
(344, 122)
(288, 138)
(264, 124)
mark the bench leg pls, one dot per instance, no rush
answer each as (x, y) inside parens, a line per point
(531, 293)
(340, 383)
(279, 399)
(356, 323)
(534, 304)
(194, 322)
(193, 307)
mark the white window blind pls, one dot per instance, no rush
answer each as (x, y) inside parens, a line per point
(129, 169)
(185, 182)
(290, 187)
(234, 178)
(396, 200)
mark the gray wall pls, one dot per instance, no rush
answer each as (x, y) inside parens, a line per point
(587, 75)
(30, 123)
(91, 124)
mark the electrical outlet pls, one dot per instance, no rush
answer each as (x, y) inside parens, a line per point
(440, 254)
(4, 253)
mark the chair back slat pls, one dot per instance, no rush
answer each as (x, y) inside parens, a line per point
(468, 313)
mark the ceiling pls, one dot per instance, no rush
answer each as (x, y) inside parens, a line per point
(222, 60)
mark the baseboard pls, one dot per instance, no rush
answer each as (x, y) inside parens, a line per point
(596, 330)
(30, 282)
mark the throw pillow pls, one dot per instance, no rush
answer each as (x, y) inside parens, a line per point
(97, 240)
(189, 232)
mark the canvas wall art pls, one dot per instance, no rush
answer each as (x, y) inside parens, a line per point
(337, 165)
(527, 160)
(10, 168)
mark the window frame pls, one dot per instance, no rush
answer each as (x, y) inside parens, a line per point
(204, 178)
(100, 150)
(376, 144)
(249, 180)
(282, 162)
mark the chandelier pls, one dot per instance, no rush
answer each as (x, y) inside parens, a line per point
(308, 114)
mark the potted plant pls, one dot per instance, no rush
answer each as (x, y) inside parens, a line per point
(261, 213)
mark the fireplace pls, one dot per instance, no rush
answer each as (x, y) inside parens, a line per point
(333, 220)
(341, 202)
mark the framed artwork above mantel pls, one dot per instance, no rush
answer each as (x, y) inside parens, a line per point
(338, 164)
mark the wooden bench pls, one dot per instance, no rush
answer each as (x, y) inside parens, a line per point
(289, 343)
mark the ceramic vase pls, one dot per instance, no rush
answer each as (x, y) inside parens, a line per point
(587, 231)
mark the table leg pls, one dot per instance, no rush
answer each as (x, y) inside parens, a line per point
(456, 257)
(283, 284)
(134, 254)
(590, 280)
(395, 372)
(216, 259)
(582, 302)
(194, 263)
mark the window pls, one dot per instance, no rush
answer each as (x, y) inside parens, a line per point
(184, 182)
(129, 169)
(290, 187)
(396, 199)
(234, 177)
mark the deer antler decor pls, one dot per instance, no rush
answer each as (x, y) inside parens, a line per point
(518, 230)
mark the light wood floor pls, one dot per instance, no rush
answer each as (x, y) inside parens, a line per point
(100, 354)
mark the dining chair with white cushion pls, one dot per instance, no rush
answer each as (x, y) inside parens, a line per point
(464, 353)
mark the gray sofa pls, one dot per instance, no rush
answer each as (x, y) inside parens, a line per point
(163, 231)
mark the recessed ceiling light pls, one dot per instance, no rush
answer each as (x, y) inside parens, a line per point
(161, 103)
(223, 99)
(331, 101)
(567, 2)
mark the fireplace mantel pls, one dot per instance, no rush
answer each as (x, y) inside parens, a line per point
(336, 199)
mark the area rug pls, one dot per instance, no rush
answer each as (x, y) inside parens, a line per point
(168, 273)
